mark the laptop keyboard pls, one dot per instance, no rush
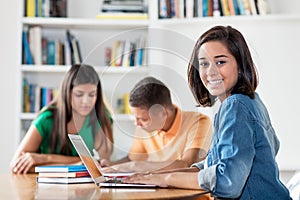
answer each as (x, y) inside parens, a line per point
(114, 181)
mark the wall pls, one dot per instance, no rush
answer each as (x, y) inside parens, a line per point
(9, 51)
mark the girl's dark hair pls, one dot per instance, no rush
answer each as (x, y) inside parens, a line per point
(148, 92)
(237, 46)
(61, 109)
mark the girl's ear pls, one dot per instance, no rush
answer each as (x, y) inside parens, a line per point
(239, 74)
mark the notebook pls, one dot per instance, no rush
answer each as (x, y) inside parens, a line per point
(94, 168)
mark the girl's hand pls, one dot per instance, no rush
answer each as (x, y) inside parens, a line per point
(104, 163)
(109, 170)
(25, 162)
(147, 178)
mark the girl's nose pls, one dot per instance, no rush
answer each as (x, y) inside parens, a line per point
(85, 99)
(212, 70)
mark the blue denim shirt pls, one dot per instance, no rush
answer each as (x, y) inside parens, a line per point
(241, 161)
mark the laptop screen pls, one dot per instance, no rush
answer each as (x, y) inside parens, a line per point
(94, 167)
(91, 164)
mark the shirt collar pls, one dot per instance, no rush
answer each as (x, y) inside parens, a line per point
(173, 130)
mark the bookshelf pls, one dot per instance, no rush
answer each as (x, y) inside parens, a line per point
(94, 36)
(84, 23)
(170, 42)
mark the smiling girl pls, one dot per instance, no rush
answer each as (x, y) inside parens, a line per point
(241, 161)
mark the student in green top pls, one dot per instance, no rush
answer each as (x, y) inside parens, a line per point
(78, 109)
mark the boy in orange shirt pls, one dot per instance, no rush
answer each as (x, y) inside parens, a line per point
(166, 137)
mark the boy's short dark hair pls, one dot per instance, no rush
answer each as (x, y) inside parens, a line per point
(148, 92)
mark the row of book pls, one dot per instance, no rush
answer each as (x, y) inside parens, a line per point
(40, 50)
(45, 8)
(126, 53)
(63, 174)
(205, 8)
(36, 97)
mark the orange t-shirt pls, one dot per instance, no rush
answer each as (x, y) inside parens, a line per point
(189, 130)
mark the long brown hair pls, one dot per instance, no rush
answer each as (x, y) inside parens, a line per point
(61, 109)
(237, 46)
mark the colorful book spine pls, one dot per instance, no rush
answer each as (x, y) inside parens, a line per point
(216, 8)
(107, 56)
(205, 8)
(231, 7)
(76, 51)
(30, 8)
(60, 168)
(126, 103)
(253, 7)
(115, 53)
(189, 6)
(64, 174)
(69, 39)
(35, 44)
(32, 97)
(51, 52)
(163, 10)
(246, 5)
(132, 54)
(241, 7)
(37, 100)
(26, 100)
(67, 53)
(225, 8)
(28, 57)
(126, 54)
(119, 53)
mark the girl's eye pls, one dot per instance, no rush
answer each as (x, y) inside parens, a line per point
(92, 95)
(221, 62)
(78, 95)
(204, 64)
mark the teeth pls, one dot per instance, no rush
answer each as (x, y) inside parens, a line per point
(215, 81)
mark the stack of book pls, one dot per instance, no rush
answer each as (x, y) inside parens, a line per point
(63, 174)
(129, 6)
(123, 9)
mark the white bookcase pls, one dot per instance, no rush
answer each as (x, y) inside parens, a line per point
(94, 36)
(273, 40)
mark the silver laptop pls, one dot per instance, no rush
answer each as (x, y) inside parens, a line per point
(94, 168)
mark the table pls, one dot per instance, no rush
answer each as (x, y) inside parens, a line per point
(25, 187)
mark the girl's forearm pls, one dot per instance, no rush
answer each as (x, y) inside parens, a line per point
(187, 180)
(59, 159)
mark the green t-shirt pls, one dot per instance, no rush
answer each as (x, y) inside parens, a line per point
(44, 123)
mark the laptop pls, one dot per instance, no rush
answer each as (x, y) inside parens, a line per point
(94, 168)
